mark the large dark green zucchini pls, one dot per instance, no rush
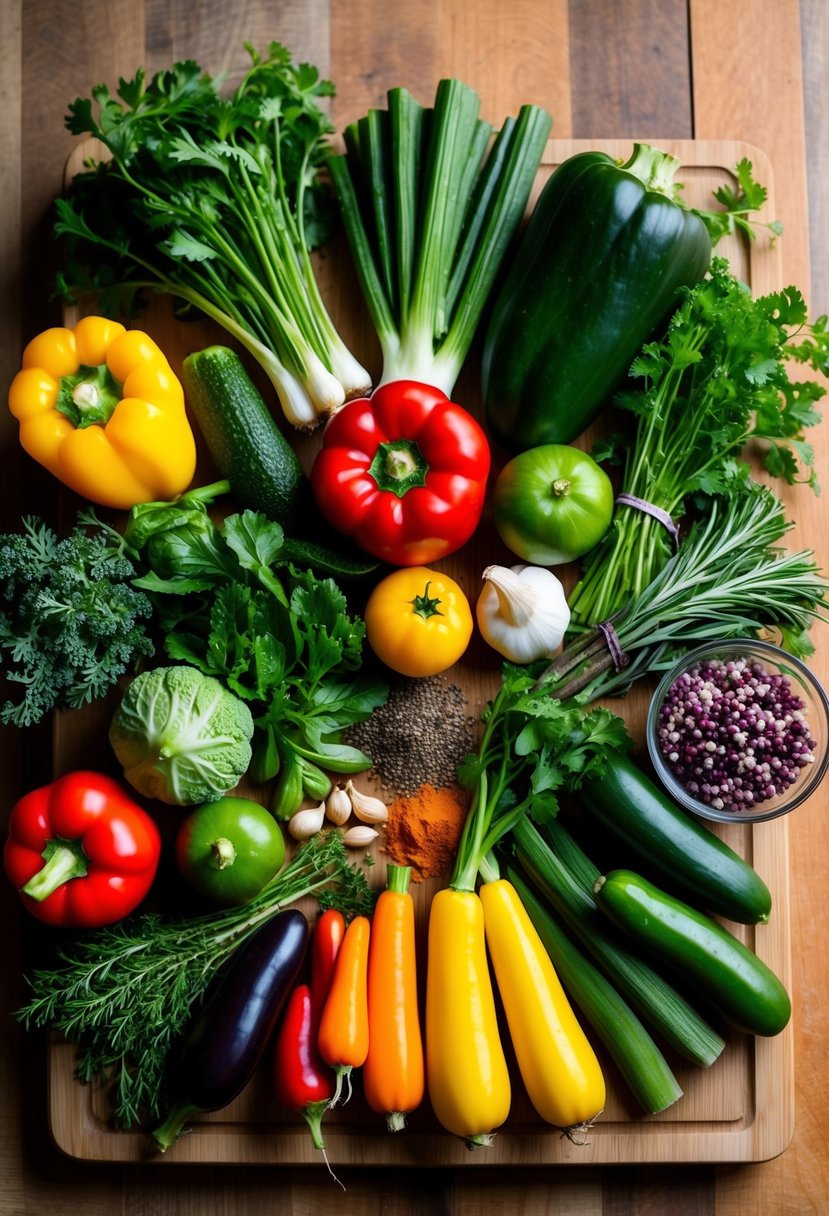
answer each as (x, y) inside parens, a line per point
(596, 274)
(670, 845)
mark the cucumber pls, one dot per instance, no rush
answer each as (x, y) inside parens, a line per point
(671, 846)
(737, 983)
(242, 437)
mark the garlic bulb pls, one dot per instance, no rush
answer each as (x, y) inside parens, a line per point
(522, 612)
(338, 805)
(359, 837)
(306, 822)
(365, 807)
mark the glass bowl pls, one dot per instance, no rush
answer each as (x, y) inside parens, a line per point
(722, 726)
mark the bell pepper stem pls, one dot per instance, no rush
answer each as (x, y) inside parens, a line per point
(64, 859)
(654, 168)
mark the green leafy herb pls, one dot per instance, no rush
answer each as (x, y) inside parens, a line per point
(738, 203)
(430, 208)
(71, 622)
(232, 604)
(731, 578)
(125, 993)
(218, 201)
(532, 746)
(717, 380)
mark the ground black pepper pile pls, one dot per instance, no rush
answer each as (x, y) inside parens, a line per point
(419, 736)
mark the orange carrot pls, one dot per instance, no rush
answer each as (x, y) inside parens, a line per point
(393, 1074)
(343, 1029)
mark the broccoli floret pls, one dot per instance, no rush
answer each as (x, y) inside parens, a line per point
(181, 736)
(70, 622)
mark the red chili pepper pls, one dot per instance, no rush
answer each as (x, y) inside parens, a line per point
(325, 946)
(80, 851)
(303, 1081)
(403, 472)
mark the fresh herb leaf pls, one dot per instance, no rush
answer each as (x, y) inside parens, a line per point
(716, 380)
(216, 200)
(71, 622)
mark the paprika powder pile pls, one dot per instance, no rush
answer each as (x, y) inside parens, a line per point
(423, 830)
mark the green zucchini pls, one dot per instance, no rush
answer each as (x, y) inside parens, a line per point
(243, 439)
(737, 983)
(567, 886)
(672, 847)
(597, 272)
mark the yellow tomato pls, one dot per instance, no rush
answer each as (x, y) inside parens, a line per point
(418, 621)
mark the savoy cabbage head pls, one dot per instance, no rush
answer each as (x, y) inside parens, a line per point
(181, 736)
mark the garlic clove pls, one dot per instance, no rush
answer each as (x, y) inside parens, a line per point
(338, 805)
(359, 837)
(367, 808)
(306, 822)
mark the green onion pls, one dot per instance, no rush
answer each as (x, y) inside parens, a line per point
(430, 205)
(664, 1010)
(638, 1058)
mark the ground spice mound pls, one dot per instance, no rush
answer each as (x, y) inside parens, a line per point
(423, 830)
(419, 736)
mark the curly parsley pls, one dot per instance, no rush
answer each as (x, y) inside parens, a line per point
(70, 622)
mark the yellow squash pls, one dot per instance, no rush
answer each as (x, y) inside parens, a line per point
(558, 1066)
(466, 1071)
(100, 407)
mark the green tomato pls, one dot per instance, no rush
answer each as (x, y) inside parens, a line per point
(229, 849)
(552, 504)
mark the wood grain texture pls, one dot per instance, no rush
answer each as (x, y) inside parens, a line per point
(751, 65)
(630, 65)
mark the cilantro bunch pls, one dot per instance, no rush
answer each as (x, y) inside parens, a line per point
(216, 200)
(71, 622)
(717, 379)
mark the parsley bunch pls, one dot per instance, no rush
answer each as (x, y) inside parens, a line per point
(716, 380)
(216, 200)
(532, 746)
(70, 621)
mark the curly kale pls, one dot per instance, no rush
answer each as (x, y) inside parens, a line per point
(70, 622)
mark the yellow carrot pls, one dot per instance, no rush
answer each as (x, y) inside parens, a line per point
(466, 1070)
(558, 1066)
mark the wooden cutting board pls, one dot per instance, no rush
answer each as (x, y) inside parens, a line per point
(741, 1109)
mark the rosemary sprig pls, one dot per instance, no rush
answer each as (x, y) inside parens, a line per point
(125, 993)
(730, 578)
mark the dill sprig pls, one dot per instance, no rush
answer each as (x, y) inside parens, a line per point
(125, 993)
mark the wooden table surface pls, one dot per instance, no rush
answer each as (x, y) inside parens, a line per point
(752, 70)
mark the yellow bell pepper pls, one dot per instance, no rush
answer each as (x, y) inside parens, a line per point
(100, 407)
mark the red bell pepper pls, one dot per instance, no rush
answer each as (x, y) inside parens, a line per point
(403, 472)
(80, 851)
(302, 1079)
